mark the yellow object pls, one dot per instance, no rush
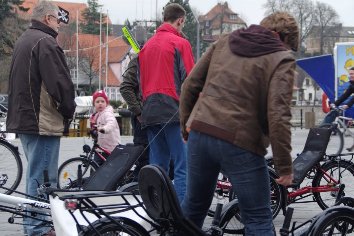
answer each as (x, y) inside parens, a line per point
(343, 79)
(131, 40)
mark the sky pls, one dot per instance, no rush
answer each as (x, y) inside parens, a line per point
(251, 11)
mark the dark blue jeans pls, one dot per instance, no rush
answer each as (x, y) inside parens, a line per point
(248, 173)
(330, 117)
(42, 153)
(166, 144)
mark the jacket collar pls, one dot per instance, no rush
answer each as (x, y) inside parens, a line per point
(43, 27)
(169, 28)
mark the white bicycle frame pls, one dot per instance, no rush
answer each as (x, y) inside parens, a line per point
(63, 221)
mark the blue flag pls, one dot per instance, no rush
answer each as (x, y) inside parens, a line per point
(321, 69)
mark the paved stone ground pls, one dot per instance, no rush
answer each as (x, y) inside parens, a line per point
(72, 147)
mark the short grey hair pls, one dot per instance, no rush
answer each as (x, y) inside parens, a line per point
(44, 8)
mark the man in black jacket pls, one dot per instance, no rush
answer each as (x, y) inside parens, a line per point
(41, 101)
(331, 116)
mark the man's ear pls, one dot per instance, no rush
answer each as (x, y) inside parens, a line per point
(180, 21)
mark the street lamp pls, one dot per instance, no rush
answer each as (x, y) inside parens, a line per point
(198, 29)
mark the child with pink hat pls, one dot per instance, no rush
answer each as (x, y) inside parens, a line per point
(105, 122)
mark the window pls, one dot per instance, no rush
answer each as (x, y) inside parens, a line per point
(307, 82)
(233, 17)
(207, 23)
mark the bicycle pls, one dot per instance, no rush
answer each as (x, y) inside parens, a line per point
(336, 220)
(327, 173)
(28, 206)
(67, 172)
(100, 212)
(11, 164)
(339, 129)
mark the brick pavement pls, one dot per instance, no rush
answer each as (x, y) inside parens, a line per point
(71, 147)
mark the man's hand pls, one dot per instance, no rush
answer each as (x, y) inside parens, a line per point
(185, 134)
(285, 180)
(345, 107)
(332, 105)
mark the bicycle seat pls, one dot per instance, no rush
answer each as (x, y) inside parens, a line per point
(314, 150)
(113, 170)
(160, 200)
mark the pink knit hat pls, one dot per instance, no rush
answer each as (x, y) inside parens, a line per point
(99, 93)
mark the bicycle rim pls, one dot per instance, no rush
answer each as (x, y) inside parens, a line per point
(67, 174)
(342, 171)
(336, 141)
(10, 168)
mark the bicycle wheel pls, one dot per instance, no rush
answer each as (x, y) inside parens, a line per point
(336, 141)
(10, 168)
(122, 226)
(67, 174)
(341, 171)
(230, 221)
(334, 221)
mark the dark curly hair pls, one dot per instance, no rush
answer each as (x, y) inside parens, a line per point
(285, 25)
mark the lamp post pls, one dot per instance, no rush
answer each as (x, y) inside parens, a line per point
(198, 31)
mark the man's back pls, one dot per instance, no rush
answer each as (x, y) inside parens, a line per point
(165, 61)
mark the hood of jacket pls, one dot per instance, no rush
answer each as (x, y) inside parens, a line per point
(254, 41)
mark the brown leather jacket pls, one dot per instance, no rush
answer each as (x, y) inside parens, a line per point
(240, 91)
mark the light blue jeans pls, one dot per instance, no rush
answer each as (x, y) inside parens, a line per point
(166, 144)
(42, 153)
(248, 173)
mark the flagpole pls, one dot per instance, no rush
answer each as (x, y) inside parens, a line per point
(100, 62)
(107, 50)
(77, 50)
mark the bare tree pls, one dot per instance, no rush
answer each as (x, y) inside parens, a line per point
(325, 17)
(89, 62)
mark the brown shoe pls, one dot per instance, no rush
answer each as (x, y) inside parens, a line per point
(50, 233)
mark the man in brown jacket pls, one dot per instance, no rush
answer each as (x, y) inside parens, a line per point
(237, 99)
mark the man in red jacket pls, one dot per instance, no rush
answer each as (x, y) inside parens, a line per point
(164, 63)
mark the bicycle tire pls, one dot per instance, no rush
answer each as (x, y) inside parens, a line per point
(230, 221)
(67, 173)
(336, 141)
(276, 199)
(342, 171)
(11, 167)
(337, 220)
(105, 226)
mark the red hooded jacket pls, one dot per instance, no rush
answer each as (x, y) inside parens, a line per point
(164, 63)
